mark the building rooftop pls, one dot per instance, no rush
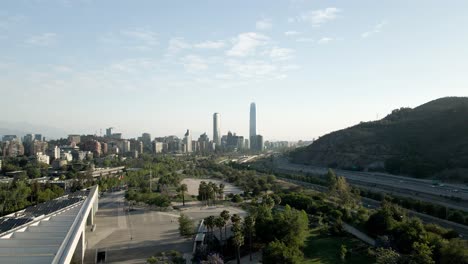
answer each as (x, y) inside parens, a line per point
(38, 233)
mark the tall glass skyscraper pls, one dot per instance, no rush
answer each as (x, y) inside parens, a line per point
(216, 130)
(253, 125)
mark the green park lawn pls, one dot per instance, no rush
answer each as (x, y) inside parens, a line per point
(326, 249)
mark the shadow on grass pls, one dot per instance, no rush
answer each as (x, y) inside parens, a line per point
(326, 249)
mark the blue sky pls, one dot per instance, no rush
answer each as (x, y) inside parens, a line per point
(161, 67)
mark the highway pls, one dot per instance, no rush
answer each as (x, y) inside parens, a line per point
(414, 188)
(369, 203)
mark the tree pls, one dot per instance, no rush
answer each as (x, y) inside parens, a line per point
(343, 252)
(331, 180)
(421, 254)
(279, 252)
(33, 172)
(203, 191)
(182, 189)
(386, 256)
(457, 217)
(226, 216)
(249, 228)
(385, 219)
(220, 223)
(221, 189)
(210, 222)
(290, 226)
(238, 238)
(186, 225)
(268, 201)
(264, 220)
(339, 188)
(235, 219)
(455, 251)
(407, 233)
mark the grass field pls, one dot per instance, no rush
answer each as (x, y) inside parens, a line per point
(326, 249)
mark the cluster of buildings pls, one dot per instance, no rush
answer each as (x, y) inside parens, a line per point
(77, 148)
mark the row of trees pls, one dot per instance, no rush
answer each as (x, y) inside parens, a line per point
(281, 232)
(150, 198)
(209, 192)
(20, 193)
(141, 179)
(411, 241)
(32, 169)
(435, 210)
(252, 182)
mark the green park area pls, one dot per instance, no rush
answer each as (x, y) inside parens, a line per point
(324, 249)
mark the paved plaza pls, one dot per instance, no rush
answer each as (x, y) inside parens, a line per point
(132, 237)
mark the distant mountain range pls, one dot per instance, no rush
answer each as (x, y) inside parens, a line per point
(430, 140)
(22, 128)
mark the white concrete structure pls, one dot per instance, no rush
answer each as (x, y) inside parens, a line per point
(41, 157)
(56, 152)
(58, 237)
(66, 155)
(158, 147)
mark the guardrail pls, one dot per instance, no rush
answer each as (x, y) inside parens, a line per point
(66, 250)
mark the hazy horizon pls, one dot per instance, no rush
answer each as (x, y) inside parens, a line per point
(311, 67)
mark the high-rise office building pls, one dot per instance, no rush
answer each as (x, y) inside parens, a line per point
(9, 138)
(109, 132)
(259, 143)
(216, 130)
(253, 126)
(146, 139)
(188, 142)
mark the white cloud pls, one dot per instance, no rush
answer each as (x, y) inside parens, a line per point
(292, 33)
(149, 38)
(281, 53)
(377, 29)
(140, 39)
(62, 69)
(210, 44)
(45, 39)
(194, 63)
(135, 65)
(309, 40)
(246, 43)
(324, 40)
(264, 24)
(317, 17)
(251, 69)
(178, 44)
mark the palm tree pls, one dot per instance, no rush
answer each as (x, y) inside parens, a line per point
(249, 227)
(183, 189)
(202, 191)
(210, 222)
(220, 223)
(212, 191)
(238, 238)
(221, 189)
(235, 219)
(226, 216)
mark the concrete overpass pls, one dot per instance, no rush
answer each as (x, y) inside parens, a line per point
(56, 237)
(102, 172)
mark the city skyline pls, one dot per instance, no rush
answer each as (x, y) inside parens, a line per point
(316, 66)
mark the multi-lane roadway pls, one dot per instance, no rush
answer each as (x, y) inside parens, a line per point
(449, 195)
